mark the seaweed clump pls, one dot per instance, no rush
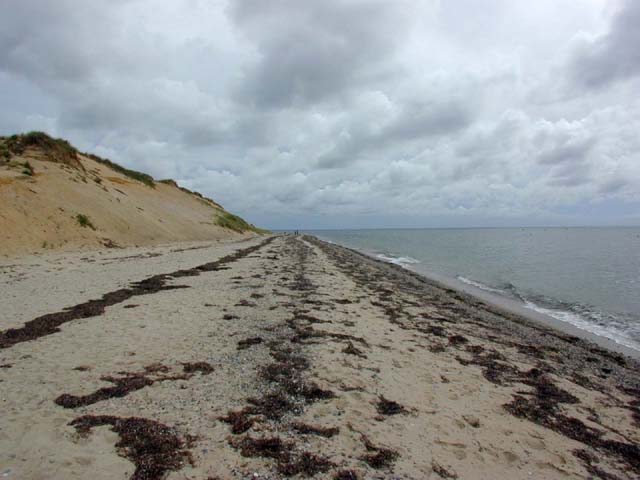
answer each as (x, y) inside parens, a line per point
(351, 349)
(442, 471)
(269, 447)
(389, 407)
(542, 408)
(123, 386)
(306, 463)
(345, 475)
(382, 458)
(240, 421)
(130, 382)
(203, 367)
(307, 429)
(273, 405)
(248, 342)
(154, 448)
(288, 463)
(379, 457)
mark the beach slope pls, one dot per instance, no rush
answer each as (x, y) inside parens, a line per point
(288, 357)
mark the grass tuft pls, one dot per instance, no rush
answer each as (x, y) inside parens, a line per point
(139, 176)
(237, 224)
(84, 221)
(55, 149)
(206, 200)
(28, 169)
(4, 152)
(169, 181)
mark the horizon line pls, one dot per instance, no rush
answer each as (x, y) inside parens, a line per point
(453, 228)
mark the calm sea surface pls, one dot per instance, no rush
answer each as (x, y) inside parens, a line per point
(589, 277)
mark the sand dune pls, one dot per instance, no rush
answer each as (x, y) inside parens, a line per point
(68, 202)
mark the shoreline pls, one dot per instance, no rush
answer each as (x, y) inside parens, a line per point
(289, 357)
(506, 304)
(516, 307)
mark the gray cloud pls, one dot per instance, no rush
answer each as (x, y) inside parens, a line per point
(364, 110)
(613, 56)
(310, 51)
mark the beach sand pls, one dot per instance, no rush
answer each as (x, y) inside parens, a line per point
(284, 357)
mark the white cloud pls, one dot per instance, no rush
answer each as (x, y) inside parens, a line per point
(345, 109)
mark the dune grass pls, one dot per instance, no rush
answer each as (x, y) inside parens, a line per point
(237, 224)
(205, 200)
(55, 149)
(28, 169)
(17, 143)
(84, 221)
(139, 176)
(62, 151)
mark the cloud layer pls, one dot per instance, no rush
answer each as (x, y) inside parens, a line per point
(346, 112)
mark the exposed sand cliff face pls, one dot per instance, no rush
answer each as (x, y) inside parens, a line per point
(47, 210)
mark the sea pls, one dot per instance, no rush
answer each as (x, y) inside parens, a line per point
(587, 277)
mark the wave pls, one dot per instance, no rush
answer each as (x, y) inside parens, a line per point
(481, 286)
(623, 330)
(614, 327)
(402, 261)
(620, 324)
(590, 320)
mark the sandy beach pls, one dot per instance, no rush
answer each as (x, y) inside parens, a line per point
(283, 356)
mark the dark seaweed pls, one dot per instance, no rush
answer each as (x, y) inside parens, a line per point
(240, 421)
(306, 463)
(270, 447)
(247, 342)
(154, 448)
(203, 367)
(345, 475)
(307, 429)
(123, 386)
(130, 382)
(381, 458)
(50, 323)
(352, 350)
(389, 407)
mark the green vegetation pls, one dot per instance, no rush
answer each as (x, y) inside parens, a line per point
(139, 176)
(206, 200)
(169, 181)
(4, 152)
(237, 224)
(59, 150)
(55, 149)
(28, 169)
(84, 221)
(44, 141)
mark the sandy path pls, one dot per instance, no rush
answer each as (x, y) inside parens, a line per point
(331, 334)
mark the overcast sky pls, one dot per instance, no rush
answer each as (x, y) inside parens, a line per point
(346, 113)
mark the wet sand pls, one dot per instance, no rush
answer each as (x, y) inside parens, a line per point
(287, 357)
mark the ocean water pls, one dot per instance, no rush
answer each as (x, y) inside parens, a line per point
(588, 277)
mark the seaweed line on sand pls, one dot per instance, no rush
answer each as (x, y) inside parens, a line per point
(542, 405)
(130, 382)
(49, 323)
(287, 394)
